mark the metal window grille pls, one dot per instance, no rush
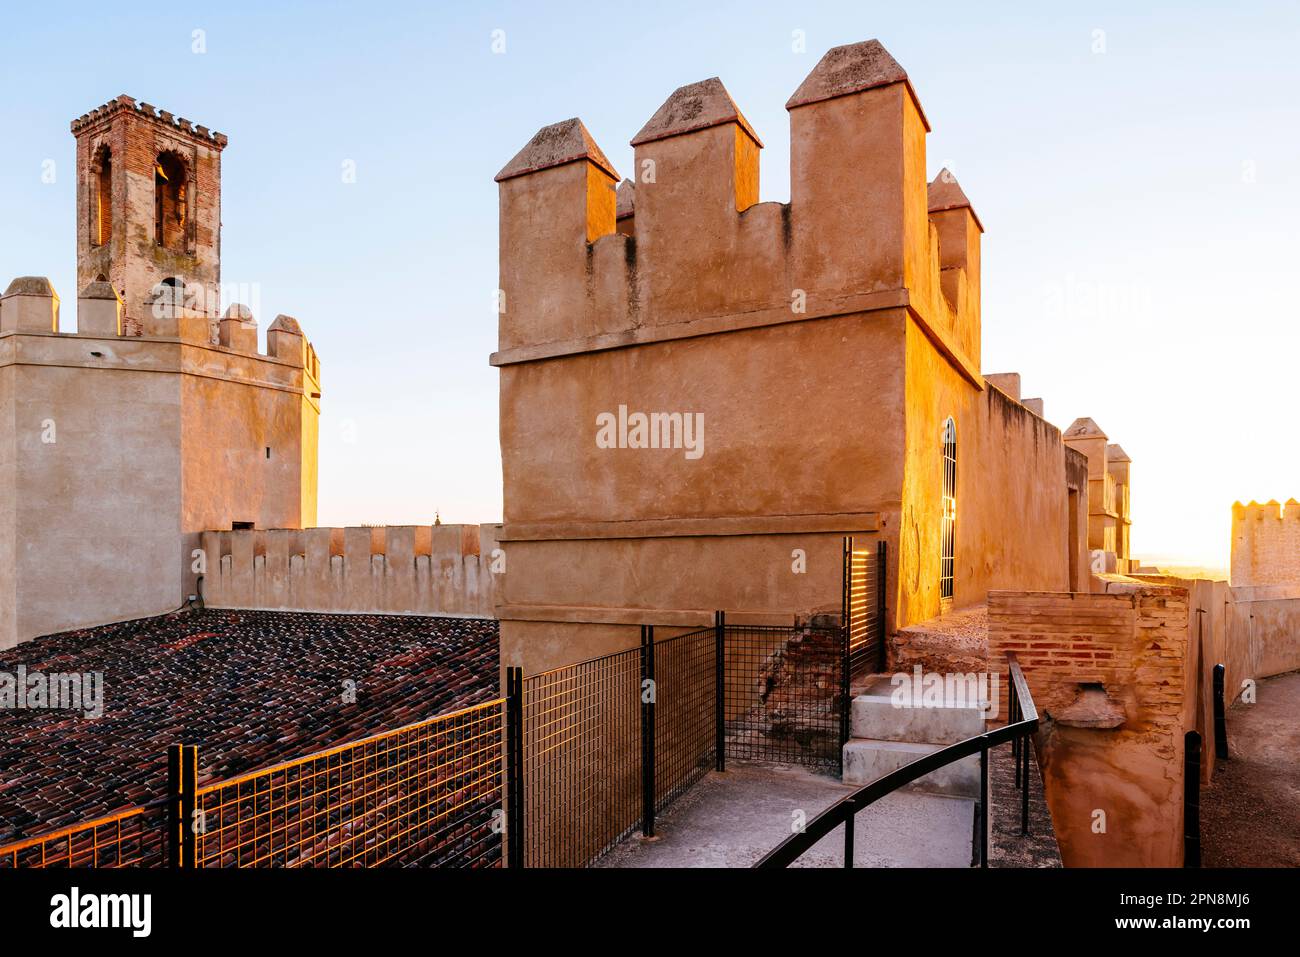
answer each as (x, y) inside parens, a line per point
(948, 558)
(864, 604)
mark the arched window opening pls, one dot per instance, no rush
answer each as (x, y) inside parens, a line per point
(170, 290)
(101, 208)
(169, 199)
(948, 554)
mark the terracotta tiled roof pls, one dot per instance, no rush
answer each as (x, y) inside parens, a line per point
(250, 688)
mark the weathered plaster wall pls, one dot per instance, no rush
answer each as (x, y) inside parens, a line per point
(1012, 518)
(1208, 643)
(419, 570)
(1076, 525)
(154, 438)
(1266, 544)
(597, 534)
(759, 391)
(1253, 631)
(1270, 624)
(787, 326)
(96, 515)
(1135, 647)
(8, 563)
(235, 407)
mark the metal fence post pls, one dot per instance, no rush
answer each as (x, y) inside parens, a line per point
(515, 767)
(1022, 767)
(1220, 714)
(182, 807)
(846, 585)
(882, 566)
(648, 694)
(1013, 716)
(1191, 799)
(846, 700)
(720, 690)
(984, 801)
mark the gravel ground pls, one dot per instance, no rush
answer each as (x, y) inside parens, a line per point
(1250, 814)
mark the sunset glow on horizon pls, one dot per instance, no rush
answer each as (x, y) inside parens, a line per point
(1137, 264)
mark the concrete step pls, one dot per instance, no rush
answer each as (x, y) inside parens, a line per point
(866, 760)
(874, 714)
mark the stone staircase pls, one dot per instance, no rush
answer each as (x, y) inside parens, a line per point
(884, 737)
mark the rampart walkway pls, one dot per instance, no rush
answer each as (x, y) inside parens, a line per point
(734, 818)
(1250, 814)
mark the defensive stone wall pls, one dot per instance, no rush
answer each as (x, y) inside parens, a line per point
(409, 569)
(1266, 543)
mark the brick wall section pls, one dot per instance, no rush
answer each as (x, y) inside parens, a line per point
(131, 260)
(1135, 646)
(1136, 641)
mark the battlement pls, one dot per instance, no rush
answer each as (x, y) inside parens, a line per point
(1266, 543)
(124, 104)
(410, 569)
(684, 246)
(30, 305)
(1272, 510)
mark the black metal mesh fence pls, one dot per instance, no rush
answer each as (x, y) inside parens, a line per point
(786, 694)
(581, 759)
(428, 794)
(586, 744)
(685, 712)
(434, 793)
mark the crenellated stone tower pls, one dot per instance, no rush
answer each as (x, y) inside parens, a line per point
(1266, 543)
(1110, 516)
(156, 420)
(824, 348)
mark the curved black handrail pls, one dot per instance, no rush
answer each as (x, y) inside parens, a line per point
(843, 811)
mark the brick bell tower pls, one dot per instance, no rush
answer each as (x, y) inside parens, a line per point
(148, 208)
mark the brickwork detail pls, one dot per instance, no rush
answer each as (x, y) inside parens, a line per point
(1128, 768)
(166, 173)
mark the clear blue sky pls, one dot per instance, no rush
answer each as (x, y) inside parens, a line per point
(1142, 203)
